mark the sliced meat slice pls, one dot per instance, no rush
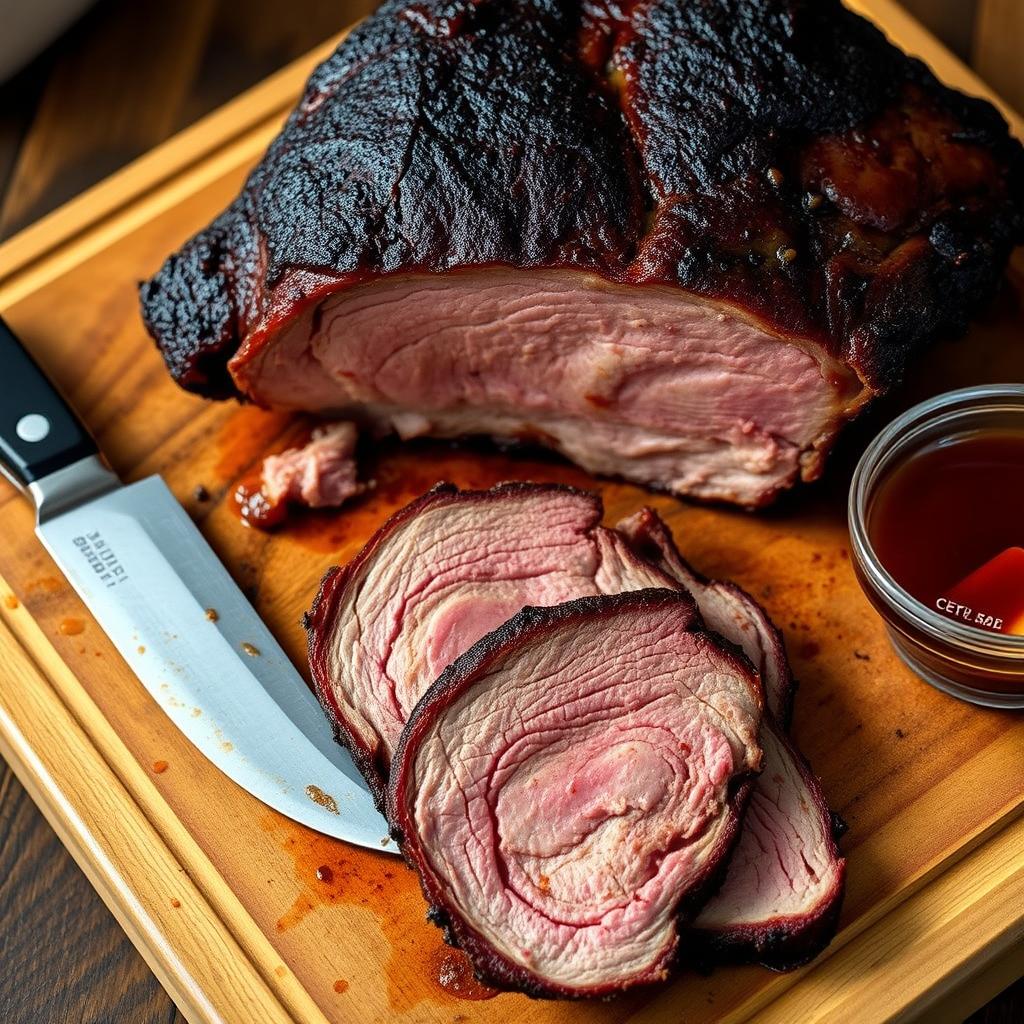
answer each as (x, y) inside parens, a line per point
(725, 608)
(440, 574)
(780, 901)
(320, 474)
(572, 784)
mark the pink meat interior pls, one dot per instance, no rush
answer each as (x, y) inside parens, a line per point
(784, 866)
(650, 383)
(443, 578)
(570, 798)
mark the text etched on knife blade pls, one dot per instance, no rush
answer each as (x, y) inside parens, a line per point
(101, 558)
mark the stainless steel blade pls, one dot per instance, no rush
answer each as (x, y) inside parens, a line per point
(148, 576)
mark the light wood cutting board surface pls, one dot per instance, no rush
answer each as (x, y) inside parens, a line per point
(223, 895)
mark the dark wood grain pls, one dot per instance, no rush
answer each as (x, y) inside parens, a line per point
(997, 47)
(126, 77)
(63, 956)
(1008, 1008)
(951, 20)
(129, 75)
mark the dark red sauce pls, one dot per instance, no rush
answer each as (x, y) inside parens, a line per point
(948, 524)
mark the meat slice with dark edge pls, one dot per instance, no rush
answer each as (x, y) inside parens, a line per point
(436, 577)
(725, 608)
(570, 787)
(680, 241)
(780, 901)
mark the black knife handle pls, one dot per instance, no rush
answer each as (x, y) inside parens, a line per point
(39, 433)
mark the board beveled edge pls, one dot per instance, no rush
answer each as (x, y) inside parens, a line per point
(207, 952)
(939, 955)
(973, 888)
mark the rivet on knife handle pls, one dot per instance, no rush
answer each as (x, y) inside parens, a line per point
(44, 448)
(39, 433)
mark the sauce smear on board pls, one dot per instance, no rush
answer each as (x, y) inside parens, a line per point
(948, 524)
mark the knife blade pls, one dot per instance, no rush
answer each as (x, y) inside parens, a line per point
(175, 615)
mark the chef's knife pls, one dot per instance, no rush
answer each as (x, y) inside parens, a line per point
(175, 615)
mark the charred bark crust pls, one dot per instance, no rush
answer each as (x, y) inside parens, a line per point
(780, 155)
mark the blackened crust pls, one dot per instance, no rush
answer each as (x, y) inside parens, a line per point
(190, 307)
(321, 620)
(442, 134)
(778, 155)
(533, 625)
(838, 191)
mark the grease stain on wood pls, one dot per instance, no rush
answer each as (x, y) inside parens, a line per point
(47, 585)
(245, 438)
(418, 967)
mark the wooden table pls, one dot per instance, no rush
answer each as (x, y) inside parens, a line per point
(125, 78)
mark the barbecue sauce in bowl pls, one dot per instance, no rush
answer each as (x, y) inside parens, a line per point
(948, 524)
(937, 530)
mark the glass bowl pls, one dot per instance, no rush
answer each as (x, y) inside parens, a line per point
(973, 664)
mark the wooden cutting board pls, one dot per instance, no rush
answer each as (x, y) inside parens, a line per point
(222, 895)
